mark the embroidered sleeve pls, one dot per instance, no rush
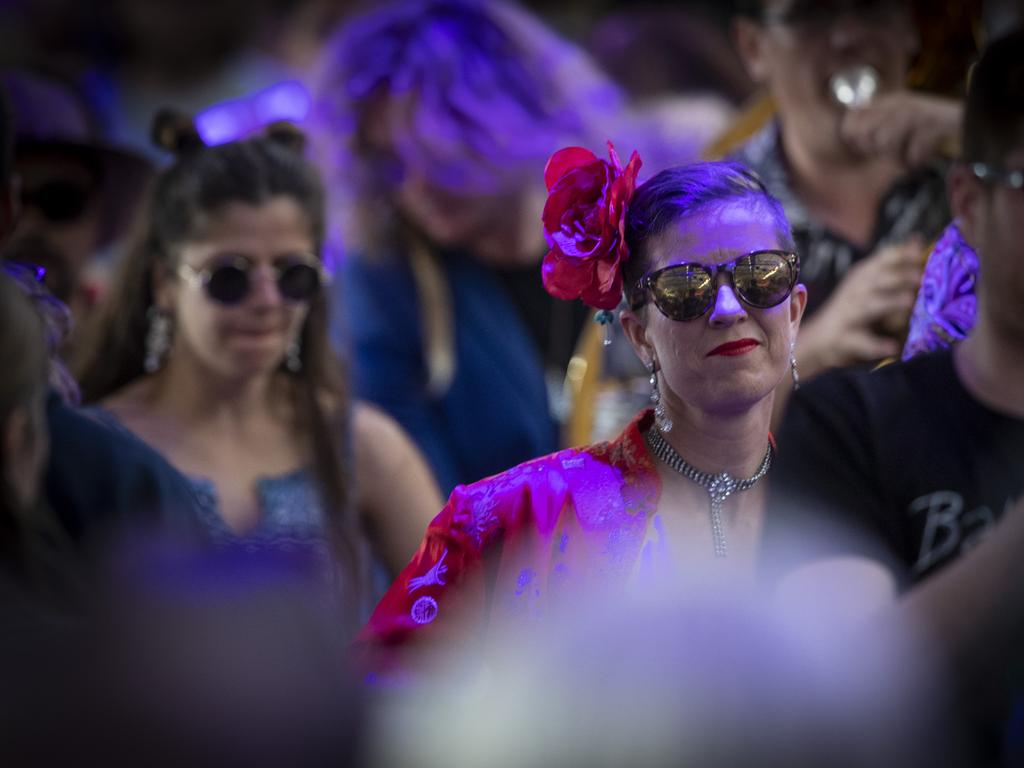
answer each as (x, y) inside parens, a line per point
(439, 597)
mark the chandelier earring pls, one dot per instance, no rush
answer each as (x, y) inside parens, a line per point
(293, 356)
(792, 366)
(661, 417)
(158, 339)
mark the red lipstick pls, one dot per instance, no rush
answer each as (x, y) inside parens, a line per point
(733, 348)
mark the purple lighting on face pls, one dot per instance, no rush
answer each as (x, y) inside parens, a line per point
(230, 120)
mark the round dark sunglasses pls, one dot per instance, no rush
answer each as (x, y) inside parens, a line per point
(230, 282)
(686, 291)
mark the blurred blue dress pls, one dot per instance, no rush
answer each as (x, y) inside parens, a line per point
(292, 520)
(495, 414)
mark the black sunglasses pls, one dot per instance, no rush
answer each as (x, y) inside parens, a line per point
(59, 201)
(686, 291)
(229, 282)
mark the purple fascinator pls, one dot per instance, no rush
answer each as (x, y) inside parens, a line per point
(946, 304)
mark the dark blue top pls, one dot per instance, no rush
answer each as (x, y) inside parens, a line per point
(99, 479)
(495, 414)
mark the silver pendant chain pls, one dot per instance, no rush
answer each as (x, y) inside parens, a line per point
(719, 487)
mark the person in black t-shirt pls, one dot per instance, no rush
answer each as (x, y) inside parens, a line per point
(920, 466)
(908, 465)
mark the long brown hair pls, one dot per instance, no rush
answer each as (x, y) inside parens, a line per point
(201, 181)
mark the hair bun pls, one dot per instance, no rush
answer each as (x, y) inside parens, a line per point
(176, 132)
(287, 135)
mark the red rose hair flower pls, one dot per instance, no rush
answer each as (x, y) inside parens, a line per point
(584, 222)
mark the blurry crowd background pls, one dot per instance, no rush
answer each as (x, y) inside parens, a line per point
(455, 365)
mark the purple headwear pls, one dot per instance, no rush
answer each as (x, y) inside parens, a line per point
(488, 92)
(487, 83)
(51, 113)
(946, 305)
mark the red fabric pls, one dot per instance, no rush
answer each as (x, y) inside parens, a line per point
(515, 544)
(584, 223)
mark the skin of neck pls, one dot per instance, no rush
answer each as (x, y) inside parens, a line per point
(726, 440)
(990, 365)
(195, 394)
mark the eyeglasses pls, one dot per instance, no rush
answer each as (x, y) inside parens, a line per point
(817, 15)
(686, 291)
(59, 201)
(229, 282)
(994, 175)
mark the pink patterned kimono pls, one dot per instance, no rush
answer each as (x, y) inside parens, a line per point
(516, 545)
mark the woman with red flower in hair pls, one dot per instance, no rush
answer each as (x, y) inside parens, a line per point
(704, 255)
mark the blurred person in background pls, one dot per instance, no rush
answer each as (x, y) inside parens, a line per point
(213, 349)
(946, 306)
(437, 116)
(77, 192)
(908, 480)
(704, 255)
(96, 481)
(31, 542)
(851, 153)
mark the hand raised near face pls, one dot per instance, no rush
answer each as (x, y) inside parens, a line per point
(907, 127)
(862, 318)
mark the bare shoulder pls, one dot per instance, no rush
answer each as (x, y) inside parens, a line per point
(377, 439)
(398, 495)
(370, 423)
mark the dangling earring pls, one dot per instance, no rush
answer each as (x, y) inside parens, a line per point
(792, 366)
(293, 356)
(661, 418)
(158, 339)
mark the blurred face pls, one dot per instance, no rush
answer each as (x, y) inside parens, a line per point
(446, 201)
(250, 336)
(60, 221)
(800, 44)
(734, 355)
(992, 220)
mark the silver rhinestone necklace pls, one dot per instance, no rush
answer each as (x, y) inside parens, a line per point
(719, 487)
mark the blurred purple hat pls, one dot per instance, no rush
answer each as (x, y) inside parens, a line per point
(51, 114)
(490, 91)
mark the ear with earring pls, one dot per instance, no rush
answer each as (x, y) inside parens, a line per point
(661, 417)
(293, 356)
(158, 338)
(792, 365)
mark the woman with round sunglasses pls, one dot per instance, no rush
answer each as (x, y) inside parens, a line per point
(213, 348)
(705, 257)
